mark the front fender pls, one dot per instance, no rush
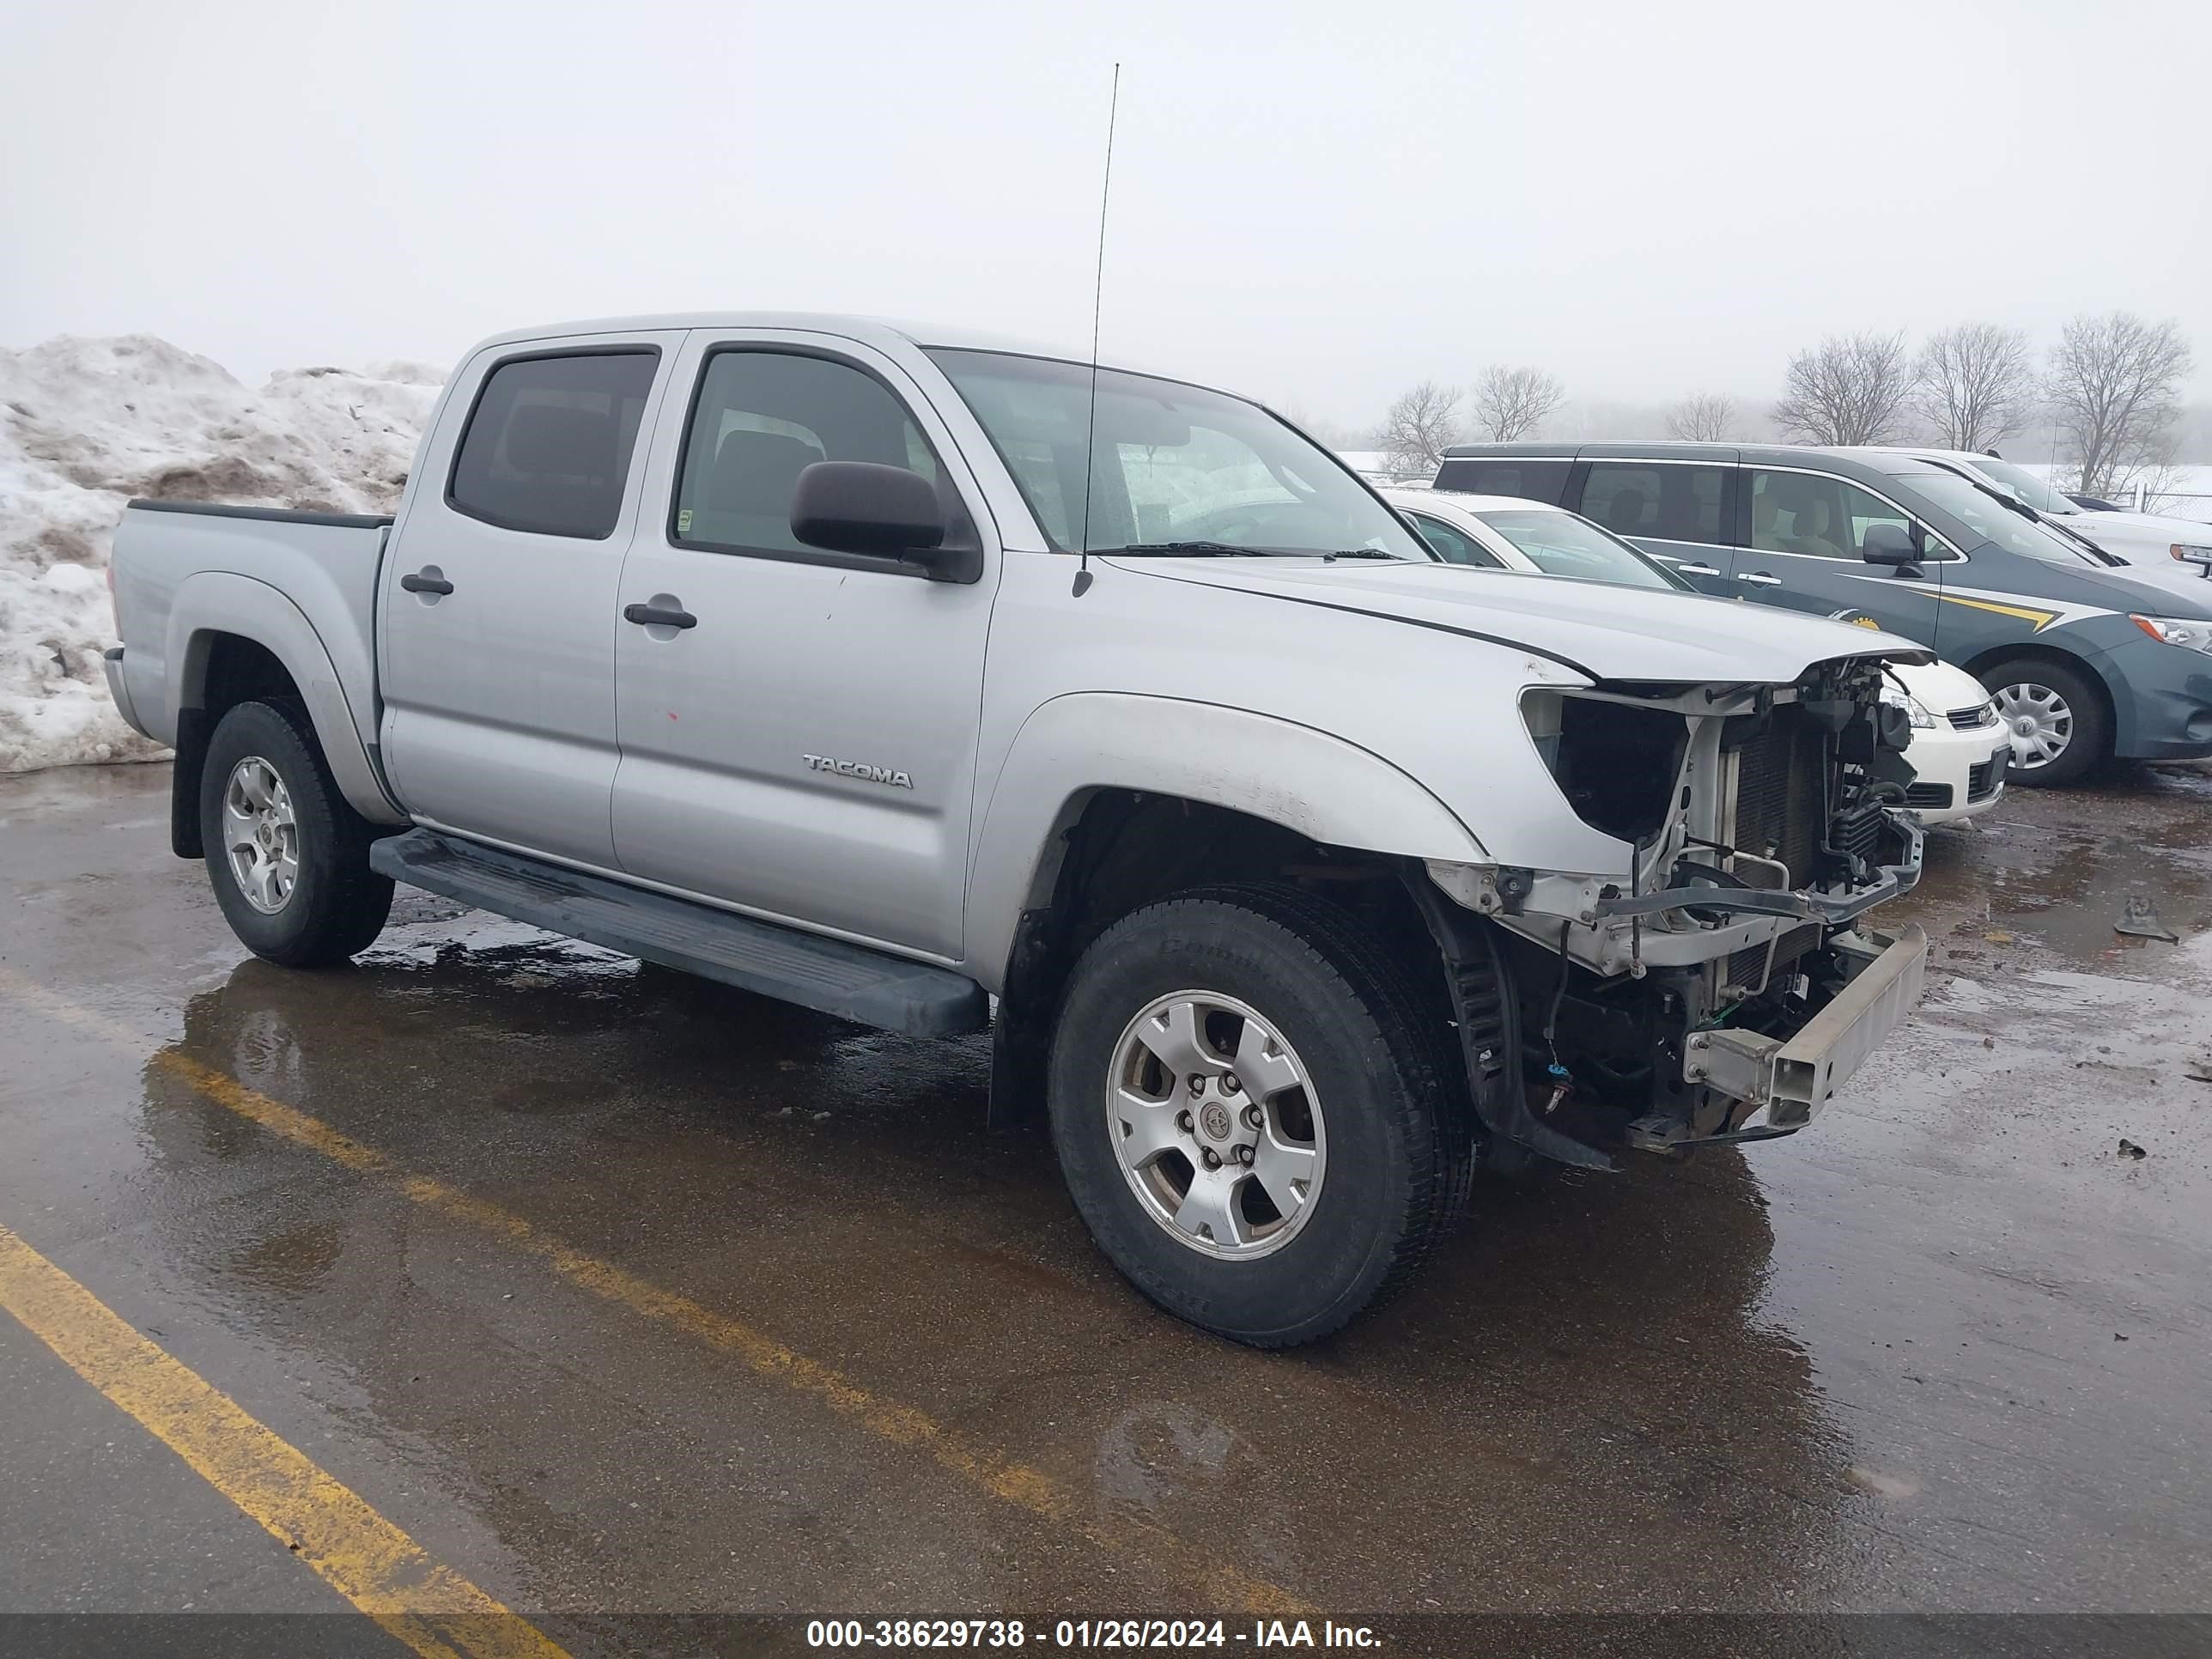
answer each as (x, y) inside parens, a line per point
(215, 602)
(1307, 780)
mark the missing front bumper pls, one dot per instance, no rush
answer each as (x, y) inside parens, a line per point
(1791, 1079)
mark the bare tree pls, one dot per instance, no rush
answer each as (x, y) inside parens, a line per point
(1850, 389)
(1703, 417)
(1417, 427)
(2114, 386)
(1508, 402)
(1976, 387)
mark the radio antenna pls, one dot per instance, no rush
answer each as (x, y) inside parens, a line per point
(1098, 304)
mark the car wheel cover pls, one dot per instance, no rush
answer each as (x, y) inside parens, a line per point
(2039, 721)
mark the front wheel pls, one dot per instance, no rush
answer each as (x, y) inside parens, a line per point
(2055, 717)
(287, 854)
(1248, 1109)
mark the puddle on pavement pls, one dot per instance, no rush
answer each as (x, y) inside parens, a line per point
(2062, 891)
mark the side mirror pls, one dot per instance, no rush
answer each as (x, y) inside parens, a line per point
(1889, 544)
(860, 507)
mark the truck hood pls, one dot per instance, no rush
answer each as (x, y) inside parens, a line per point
(1597, 629)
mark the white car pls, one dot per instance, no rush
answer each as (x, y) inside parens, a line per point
(2150, 539)
(1960, 751)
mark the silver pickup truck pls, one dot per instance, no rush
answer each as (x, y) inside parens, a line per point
(893, 671)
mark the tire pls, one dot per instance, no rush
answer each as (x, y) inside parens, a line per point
(2035, 689)
(1386, 1146)
(332, 904)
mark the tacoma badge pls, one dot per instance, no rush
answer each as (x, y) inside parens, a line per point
(859, 770)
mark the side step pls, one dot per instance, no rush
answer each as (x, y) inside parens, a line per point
(827, 974)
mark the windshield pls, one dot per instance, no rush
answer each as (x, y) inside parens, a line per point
(1989, 517)
(2036, 493)
(1177, 468)
(1561, 544)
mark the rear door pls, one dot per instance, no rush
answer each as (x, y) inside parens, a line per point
(498, 614)
(805, 748)
(1804, 548)
(1676, 511)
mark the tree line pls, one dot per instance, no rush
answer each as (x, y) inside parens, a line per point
(2111, 386)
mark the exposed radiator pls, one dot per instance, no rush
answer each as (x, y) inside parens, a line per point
(1782, 792)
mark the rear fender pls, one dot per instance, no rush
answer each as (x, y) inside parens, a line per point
(213, 602)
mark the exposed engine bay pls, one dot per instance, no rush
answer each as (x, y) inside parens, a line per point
(1762, 822)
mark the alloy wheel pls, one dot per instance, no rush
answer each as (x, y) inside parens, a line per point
(1216, 1124)
(260, 835)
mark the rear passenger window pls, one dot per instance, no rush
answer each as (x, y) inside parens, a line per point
(1534, 481)
(1670, 503)
(764, 417)
(1455, 546)
(548, 446)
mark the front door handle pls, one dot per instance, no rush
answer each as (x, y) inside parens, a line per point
(426, 580)
(659, 616)
(1697, 570)
(1760, 579)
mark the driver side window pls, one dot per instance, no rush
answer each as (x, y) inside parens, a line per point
(1825, 517)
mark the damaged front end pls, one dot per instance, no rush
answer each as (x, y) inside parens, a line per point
(1725, 985)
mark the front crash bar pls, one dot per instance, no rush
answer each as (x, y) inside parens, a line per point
(1792, 1078)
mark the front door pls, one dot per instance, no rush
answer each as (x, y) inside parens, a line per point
(1805, 552)
(497, 608)
(803, 747)
(1674, 510)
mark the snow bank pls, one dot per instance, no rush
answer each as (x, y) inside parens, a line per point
(87, 424)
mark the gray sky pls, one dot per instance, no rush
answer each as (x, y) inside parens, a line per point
(1319, 204)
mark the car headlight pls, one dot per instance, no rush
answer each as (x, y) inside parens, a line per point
(2192, 552)
(1915, 710)
(2178, 630)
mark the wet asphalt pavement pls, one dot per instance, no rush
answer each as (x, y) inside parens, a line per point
(1949, 1349)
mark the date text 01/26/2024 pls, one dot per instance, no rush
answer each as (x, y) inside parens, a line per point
(1160, 1633)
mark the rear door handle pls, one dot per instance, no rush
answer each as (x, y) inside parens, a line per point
(425, 580)
(1697, 570)
(657, 615)
(1760, 579)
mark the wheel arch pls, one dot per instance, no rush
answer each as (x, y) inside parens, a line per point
(2115, 718)
(232, 640)
(1249, 779)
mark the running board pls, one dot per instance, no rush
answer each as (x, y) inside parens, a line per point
(826, 975)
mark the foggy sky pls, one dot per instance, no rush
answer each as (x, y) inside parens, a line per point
(1317, 204)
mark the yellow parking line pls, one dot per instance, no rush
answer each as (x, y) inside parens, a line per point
(359, 1553)
(1027, 1488)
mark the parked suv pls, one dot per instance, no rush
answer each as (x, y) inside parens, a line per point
(2084, 660)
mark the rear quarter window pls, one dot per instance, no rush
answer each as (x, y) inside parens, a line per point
(1531, 480)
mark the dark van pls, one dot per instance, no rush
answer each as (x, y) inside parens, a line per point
(2086, 658)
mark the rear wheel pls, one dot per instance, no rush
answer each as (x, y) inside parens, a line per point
(286, 853)
(2055, 717)
(1248, 1107)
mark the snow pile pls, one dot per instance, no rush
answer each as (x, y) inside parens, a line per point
(87, 424)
